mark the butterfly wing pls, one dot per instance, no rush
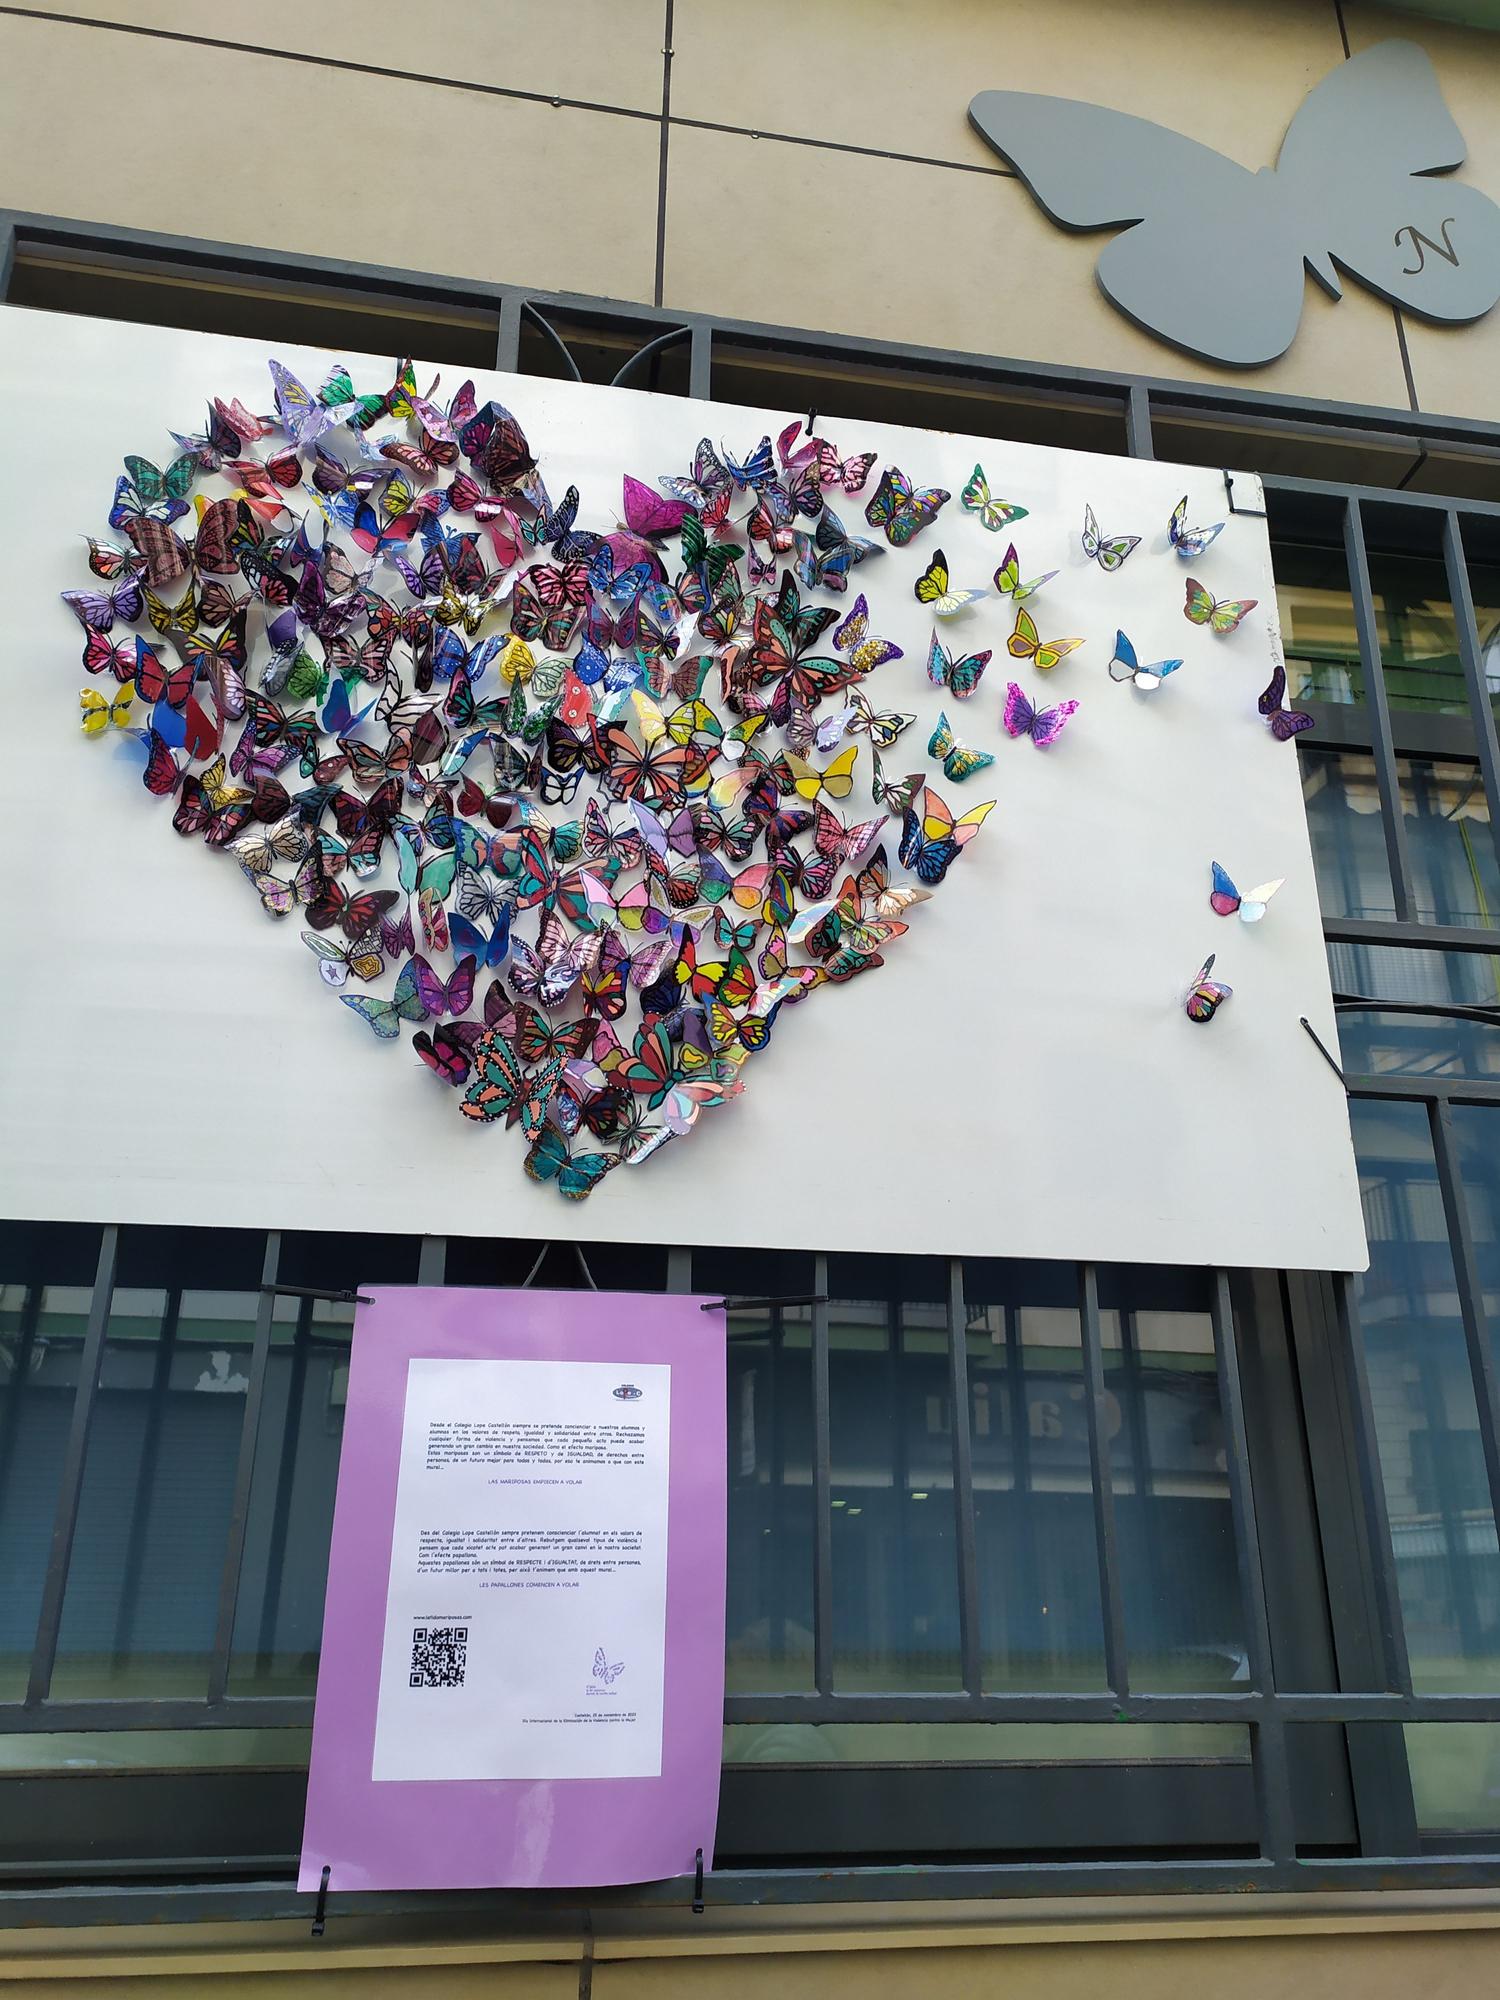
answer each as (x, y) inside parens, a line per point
(1381, 117)
(1224, 898)
(1092, 168)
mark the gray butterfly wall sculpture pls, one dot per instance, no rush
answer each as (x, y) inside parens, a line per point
(1212, 255)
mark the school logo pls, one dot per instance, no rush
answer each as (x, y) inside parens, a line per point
(628, 1393)
(1212, 256)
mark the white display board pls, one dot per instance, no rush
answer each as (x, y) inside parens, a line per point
(1020, 1078)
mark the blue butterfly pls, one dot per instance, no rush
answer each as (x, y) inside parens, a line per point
(1125, 666)
(490, 952)
(339, 715)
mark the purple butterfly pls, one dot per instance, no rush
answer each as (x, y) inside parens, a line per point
(648, 513)
(97, 610)
(1285, 722)
(1042, 725)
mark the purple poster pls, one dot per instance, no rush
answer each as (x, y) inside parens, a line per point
(522, 1678)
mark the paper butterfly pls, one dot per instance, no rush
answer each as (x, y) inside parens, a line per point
(1284, 722)
(932, 840)
(1225, 899)
(576, 1176)
(901, 509)
(1353, 181)
(933, 589)
(1220, 615)
(1124, 666)
(1108, 551)
(1042, 725)
(1008, 578)
(1187, 541)
(99, 711)
(1206, 996)
(994, 514)
(959, 761)
(1023, 644)
(961, 675)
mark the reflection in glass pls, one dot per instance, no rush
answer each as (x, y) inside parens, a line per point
(48, 1277)
(1035, 1551)
(1455, 1775)
(143, 1585)
(895, 1572)
(1455, 875)
(1174, 1526)
(279, 1612)
(1381, 1043)
(1414, 624)
(1348, 839)
(1422, 1393)
(768, 1626)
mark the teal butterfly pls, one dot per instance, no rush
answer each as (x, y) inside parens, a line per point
(386, 1016)
(962, 675)
(959, 761)
(576, 1174)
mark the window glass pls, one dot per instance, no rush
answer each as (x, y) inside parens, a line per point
(1377, 1042)
(1455, 1775)
(1035, 1549)
(147, 1562)
(1426, 1421)
(278, 1626)
(1476, 1138)
(46, 1284)
(895, 1571)
(1174, 1526)
(1348, 839)
(1455, 876)
(768, 1612)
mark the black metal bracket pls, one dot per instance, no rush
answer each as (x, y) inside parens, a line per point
(320, 1914)
(313, 1292)
(698, 1885)
(752, 1305)
(1322, 1051)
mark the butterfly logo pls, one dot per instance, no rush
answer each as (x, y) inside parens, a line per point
(1352, 184)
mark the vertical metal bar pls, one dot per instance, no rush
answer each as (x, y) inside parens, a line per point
(963, 1482)
(701, 362)
(1111, 1607)
(508, 344)
(1273, 1799)
(145, 1475)
(1377, 711)
(239, 1506)
(20, 1375)
(1138, 422)
(281, 1506)
(1372, 1490)
(432, 1259)
(7, 255)
(679, 1268)
(1461, 597)
(1470, 1295)
(822, 1473)
(70, 1483)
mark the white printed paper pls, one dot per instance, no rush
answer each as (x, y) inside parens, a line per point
(525, 1620)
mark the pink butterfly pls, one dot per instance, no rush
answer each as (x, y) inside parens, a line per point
(1042, 725)
(648, 513)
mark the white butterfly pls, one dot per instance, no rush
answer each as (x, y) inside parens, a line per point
(1352, 182)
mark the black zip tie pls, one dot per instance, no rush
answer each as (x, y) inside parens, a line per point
(1322, 1051)
(698, 1885)
(312, 1292)
(320, 1914)
(751, 1305)
(811, 424)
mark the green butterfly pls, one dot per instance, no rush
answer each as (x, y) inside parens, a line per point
(959, 761)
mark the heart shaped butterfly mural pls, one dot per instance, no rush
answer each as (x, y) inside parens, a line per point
(385, 666)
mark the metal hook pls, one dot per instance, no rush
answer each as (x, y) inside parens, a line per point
(1322, 1051)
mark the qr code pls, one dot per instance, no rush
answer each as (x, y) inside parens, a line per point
(439, 1656)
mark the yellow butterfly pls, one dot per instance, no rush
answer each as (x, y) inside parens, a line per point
(99, 713)
(1025, 645)
(994, 514)
(1220, 614)
(933, 588)
(221, 794)
(517, 663)
(180, 617)
(652, 722)
(837, 780)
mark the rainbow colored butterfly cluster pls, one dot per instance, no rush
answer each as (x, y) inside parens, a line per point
(380, 666)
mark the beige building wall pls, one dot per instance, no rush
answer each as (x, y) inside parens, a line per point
(816, 168)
